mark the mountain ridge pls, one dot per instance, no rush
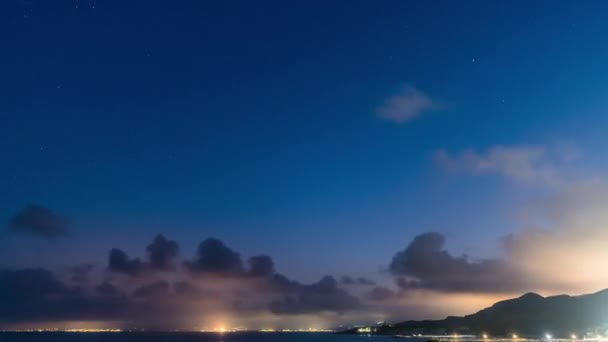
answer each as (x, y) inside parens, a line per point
(528, 315)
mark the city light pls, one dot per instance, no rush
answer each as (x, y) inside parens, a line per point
(485, 336)
(573, 336)
(364, 330)
(77, 330)
(515, 337)
(548, 336)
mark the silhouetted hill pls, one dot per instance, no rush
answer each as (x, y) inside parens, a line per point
(530, 314)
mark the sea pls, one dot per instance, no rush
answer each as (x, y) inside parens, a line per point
(184, 337)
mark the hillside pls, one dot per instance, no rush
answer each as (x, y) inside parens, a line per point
(530, 314)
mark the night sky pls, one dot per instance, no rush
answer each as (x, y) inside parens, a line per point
(275, 164)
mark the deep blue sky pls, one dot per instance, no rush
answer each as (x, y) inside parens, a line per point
(256, 122)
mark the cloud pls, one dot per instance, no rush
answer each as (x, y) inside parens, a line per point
(161, 253)
(348, 280)
(156, 289)
(120, 262)
(214, 257)
(380, 293)
(31, 295)
(365, 281)
(186, 288)
(557, 248)
(32, 283)
(282, 284)
(425, 264)
(261, 266)
(409, 104)
(80, 273)
(172, 300)
(39, 221)
(322, 296)
(255, 295)
(524, 163)
(36, 295)
(107, 289)
(557, 244)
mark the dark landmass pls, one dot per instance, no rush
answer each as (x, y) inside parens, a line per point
(529, 315)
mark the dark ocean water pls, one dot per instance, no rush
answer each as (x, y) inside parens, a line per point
(185, 337)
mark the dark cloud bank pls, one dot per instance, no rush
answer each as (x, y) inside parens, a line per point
(158, 288)
(162, 289)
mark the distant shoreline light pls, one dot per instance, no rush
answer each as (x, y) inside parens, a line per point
(47, 330)
(217, 331)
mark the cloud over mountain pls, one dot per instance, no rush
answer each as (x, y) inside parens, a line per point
(425, 264)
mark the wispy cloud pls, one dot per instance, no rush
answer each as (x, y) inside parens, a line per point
(405, 106)
(524, 163)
